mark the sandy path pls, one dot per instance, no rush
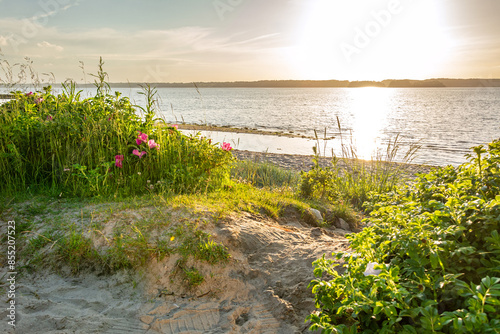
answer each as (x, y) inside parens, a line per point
(262, 290)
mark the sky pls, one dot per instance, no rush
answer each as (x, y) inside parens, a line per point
(247, 40)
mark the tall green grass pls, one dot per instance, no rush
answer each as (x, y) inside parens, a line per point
(264, 175)
(64, 144)
(352, 179)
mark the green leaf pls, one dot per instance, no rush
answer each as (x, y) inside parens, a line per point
(390, 311)
(379, 306)
(435, 261)
(409, 329)
(489, 308)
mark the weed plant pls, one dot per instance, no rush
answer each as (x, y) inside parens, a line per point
(77, 251)
(198, 244)
(352, 179)
(100, 146)
(429, 263)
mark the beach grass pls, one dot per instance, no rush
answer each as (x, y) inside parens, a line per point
(100, 146)
(264, 174)
(349, 178)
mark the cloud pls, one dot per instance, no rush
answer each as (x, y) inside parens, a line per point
(187, 53)
(47, 45)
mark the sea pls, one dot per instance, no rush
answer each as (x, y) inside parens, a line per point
(444, 123)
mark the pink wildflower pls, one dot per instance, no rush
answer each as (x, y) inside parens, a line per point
(152, 144)
(139, 154)
(49, 118)
(30, 93)
(142, 137)
(175, 126)
(118, 161)
(226, 146)
(39, 100)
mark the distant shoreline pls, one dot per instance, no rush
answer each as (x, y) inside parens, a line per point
(428, 83)
(389, 83)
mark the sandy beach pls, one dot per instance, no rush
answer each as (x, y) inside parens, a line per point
(300, 162)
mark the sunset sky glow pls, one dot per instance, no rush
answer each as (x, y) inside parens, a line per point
(233, 40)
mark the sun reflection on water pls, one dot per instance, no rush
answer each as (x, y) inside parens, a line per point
(369, 109)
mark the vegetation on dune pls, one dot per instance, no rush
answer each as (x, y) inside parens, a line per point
(352, 180)
(429, 262)
(67, 145)
(62, 148)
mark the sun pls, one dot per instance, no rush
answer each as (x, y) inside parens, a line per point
(313, 55)
(371, 40)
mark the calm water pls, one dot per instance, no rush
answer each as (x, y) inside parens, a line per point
(445, 121)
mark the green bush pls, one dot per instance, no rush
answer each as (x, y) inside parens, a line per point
(438, 245)
(100, 146)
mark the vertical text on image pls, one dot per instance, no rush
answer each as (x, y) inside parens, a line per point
(11, 275)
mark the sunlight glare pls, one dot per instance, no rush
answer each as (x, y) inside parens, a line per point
(411, 45)
(370, 109)
(314, 55)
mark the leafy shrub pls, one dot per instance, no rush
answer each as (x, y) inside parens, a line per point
(438, 245)
(100, 146)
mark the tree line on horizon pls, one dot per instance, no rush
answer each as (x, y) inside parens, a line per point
(441, 82)
(389, 83)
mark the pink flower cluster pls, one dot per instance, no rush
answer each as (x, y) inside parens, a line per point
(152, 144)
(118, 161)
(139, 154)
(226, 146)
(143, 138)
